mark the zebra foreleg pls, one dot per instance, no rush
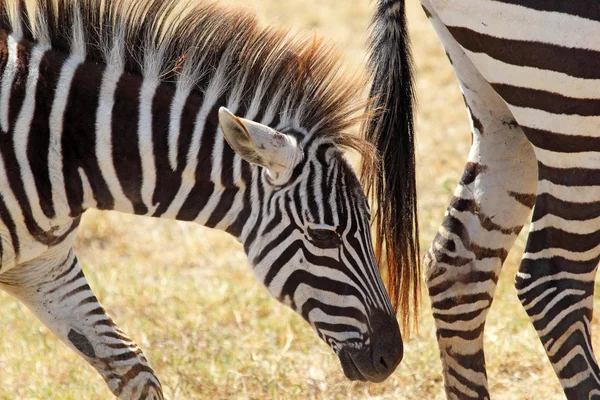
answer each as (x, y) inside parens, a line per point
(56, 291)
(489, 208)
(556, 280)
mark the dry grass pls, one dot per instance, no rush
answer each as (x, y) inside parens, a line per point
(211, 331)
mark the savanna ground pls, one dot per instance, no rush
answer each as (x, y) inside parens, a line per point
(211, 331)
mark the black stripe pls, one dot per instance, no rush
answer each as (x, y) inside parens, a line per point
(299, 277)
(471, 172)
(470, 277)
(260, 199)
(79, 139)
(222, 208)
(326, 170)
(569, 176)
(236, 227)
(166, 179)
(551, 237)
(349, 312)
(333, 327)
(8, 221)
(548, 204)
(124, 137)
(580, 63)
(443, 258)
(561, 143)
(310, 194)
(19, 84)
(203, 187)
(39, 137)
(131, 374)
(461, 298)
(64, 273)
(3, 50)
(83, 288)
(547, 101)
(468, 335)
(482, 392)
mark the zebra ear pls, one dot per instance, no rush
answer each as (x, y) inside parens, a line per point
(260, 145)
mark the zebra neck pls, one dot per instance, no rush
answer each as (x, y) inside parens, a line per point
(100, 137)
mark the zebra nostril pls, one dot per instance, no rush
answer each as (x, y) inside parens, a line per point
(382, 361)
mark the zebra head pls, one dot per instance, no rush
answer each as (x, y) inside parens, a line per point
(311, 246)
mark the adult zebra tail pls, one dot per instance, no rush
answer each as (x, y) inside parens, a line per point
(391, 182)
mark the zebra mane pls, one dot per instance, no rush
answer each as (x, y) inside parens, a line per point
(272, 75)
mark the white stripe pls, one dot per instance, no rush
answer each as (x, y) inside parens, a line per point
(104, 155)
(558, 123)
(146, 144)
(212, 95)
(88, 194)
(305, 292)
(318, 315)
(55, 154)
(566, 254)
(586, 159)
(181, 94)
(234, 210)
(7, 80)
(21, 137)
(535, 78)
(78, 35)
(500, 20)
(217, 160)
(571, 226)
(560, 276)
(573, 194)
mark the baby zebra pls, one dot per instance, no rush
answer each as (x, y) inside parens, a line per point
(187, 111)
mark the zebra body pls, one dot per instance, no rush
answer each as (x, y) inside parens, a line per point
(530, 77)
(193, 114)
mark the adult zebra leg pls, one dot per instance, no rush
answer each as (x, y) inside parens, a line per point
(556, 280)
(490, 206)
(56, 291)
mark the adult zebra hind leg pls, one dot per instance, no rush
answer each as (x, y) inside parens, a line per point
(490, 206)
(555, 282)
(56, 291)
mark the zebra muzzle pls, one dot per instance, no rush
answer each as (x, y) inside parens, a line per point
(376, 362)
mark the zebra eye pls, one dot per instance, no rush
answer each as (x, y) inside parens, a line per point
(325, 238)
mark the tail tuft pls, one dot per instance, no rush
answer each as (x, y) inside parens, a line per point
(391, 183)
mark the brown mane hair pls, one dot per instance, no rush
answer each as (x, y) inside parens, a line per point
(189, 38)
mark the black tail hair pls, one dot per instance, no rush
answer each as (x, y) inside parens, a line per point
(391, 130)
